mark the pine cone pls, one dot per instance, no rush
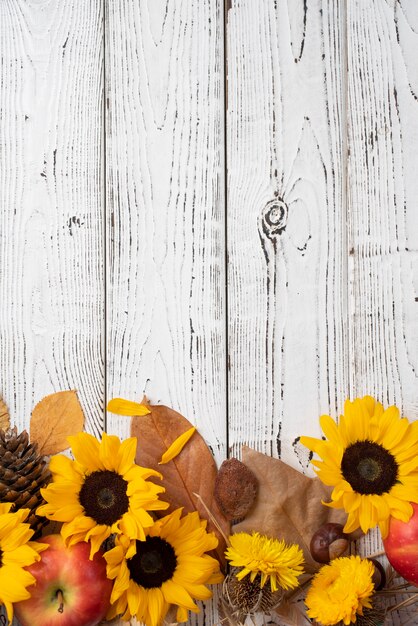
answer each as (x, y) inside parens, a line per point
(22, 474)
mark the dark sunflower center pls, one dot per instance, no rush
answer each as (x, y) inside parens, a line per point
(103, 496)
(154, 562)
(1, 557)
(369, 468)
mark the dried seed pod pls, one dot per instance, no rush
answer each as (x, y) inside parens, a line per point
(329, 542)
(236, 489)
(247, 598)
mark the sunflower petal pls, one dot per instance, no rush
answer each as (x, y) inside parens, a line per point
(381, 506)
(182, 614)
(352, 522)
(127, 407)
(351, 500)
(177, 446)
(369, 404)
(86, 450)
(395, 433)
(134, 598)
(367, 515)
(312, 443)
(97, 535)
(384, 528)
(330, 429)
(155, 606)
(127, 453)
(177, 594)
(109, 451)
(5, 507)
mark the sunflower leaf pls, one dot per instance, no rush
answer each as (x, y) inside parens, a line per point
(55, 418)
(288, 505)
(193, 470)
(4, 415)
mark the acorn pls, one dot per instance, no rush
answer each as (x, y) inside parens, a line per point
(329, 542)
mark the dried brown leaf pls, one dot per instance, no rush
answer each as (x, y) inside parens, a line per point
(192, 471)
(54, 418)
(288, 505)
(4, 415)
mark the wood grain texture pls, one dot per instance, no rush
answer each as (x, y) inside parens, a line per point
(382, 218)
(165, 206)
(51, 219)
(286, 222)
(382, 192)
(112, 194)
(165, 213)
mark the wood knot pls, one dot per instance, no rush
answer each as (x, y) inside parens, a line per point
(274, 218)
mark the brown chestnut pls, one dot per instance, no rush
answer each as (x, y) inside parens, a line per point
(329, 542)
(379, 576)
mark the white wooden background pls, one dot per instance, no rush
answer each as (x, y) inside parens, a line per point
(213, 202)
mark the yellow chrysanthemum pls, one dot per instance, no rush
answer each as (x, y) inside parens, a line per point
(170, 567)
(269, 558)
(371, 460)
(101, 492)
(16, 552)
(340, 591)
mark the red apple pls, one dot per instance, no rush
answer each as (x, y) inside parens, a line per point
(70, 589)
(401, 546)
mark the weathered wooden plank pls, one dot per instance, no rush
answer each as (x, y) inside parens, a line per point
(382, 217)
(166, 324)
(383, 187)
(165, 212)
(51, 218)
(286, 221)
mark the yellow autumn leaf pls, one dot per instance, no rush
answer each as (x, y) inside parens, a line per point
(55, 418)
(177, 446)
(127, 407)
(4, 415)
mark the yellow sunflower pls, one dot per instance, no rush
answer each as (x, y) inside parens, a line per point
(340, 591)
(16, 552)
(170, 567)
(101, 492)
(268, 558)
(371, 460)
